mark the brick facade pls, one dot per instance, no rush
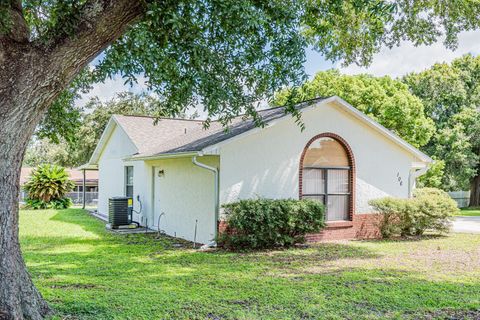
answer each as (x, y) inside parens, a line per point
(363, 226)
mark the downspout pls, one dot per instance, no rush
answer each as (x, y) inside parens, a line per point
(413, 175)
(216, 195)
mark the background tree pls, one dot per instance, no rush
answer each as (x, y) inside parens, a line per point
(89, 127)
(386, 100)
(451, 96)
(433, 177)
(223, 55)
(45, 151)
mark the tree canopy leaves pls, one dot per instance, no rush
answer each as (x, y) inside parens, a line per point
(224, 56)
(451, 96)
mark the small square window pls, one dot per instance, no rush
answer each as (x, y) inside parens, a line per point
(129, 181)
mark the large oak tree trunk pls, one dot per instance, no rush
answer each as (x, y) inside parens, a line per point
(475, 192)
(22, 103)
(19, 298)
(31, 77)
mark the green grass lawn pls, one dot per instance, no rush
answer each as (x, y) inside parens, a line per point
(87, 273)
(471, 212)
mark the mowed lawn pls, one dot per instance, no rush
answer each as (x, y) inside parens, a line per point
(470, 212)
(87, 273)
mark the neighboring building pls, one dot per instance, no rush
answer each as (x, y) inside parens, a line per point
(91, 185)
(182, 173)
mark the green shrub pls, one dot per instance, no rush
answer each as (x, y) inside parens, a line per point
(392, 211)
(37, 204)
(268, 223)
(47, 187)
(429, 209)
(434, 210)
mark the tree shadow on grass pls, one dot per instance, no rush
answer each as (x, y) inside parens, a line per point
(407, 238)
(314, 255)
(350, 294)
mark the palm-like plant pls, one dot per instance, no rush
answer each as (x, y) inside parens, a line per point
(48, 183)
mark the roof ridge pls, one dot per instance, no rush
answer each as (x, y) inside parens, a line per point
(296, 104)
(153, 117)
(213, 121)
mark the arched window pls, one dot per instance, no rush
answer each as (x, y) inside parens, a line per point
(326, 175)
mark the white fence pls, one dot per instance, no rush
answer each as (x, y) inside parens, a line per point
(91, 197)
(461, 197)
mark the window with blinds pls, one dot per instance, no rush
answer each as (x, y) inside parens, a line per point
(326, 177)
(129, 181)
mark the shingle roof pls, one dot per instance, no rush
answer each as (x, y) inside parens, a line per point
(181, 135)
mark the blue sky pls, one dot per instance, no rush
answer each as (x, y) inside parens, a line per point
(393, 62)
(316, 62)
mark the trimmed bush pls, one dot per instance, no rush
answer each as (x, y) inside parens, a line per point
(47, 187)
(434, 210)
(429, 209)
(392, 211)
(268, 223)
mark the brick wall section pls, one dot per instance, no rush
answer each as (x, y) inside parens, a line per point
(363, 226)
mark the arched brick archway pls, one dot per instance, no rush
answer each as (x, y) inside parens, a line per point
(351, 162)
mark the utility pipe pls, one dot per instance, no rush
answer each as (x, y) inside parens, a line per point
(413, 175)
(216, 192)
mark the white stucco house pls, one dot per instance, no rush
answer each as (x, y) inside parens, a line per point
(183, 173)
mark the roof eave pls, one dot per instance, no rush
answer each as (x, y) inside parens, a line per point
(163, 156)
(88, 166)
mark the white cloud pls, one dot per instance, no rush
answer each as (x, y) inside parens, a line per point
(407, 58)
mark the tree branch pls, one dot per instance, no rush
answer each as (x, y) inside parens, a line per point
(14, 24)
(100, 23)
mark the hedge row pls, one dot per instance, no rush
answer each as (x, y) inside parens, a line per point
(268, 223)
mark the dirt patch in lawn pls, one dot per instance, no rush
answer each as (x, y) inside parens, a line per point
(74, 286)
(448, 314)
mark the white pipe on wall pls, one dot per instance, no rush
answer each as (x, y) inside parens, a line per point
(216, 193)
(415, 172)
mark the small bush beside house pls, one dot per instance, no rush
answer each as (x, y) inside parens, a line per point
(47, 187)
(429, 209)
(268, 223)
